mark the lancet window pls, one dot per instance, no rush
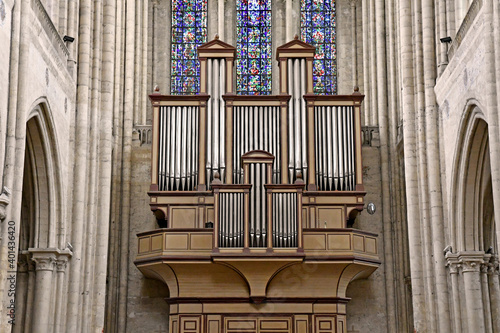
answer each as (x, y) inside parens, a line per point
(253, 50)
(318, 28)
(189, 30)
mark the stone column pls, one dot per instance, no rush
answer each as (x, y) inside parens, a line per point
(494, 287)
(45, 262)
(471, 263)
(28, 321)
(61, 264)
(21, 292)
(486, 293)
(454, 266)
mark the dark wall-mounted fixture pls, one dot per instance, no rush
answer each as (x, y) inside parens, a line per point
(445, 40)
(68, 39)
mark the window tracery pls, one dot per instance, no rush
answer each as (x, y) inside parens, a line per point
(318, 28)
(189, 30)
(253, 50)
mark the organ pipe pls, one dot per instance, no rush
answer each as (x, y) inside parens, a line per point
(256, 128)
(231, 219)
(178, 148)
(216, 87)
(334, 147)
(297, 137)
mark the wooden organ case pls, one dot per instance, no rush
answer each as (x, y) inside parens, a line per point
(254, 196)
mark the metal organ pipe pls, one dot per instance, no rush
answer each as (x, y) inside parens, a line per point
(256, 127)
(216, 87)
(231, 219)
(284, 217)
(334, 145)
(297, 153)
(178, 148)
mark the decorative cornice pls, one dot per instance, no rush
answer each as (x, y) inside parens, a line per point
(469, 18)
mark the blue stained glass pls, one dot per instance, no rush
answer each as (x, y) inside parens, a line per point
(318, 23)
(253, 48)
(189, 30)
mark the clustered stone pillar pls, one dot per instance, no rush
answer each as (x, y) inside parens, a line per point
(479, 300)
(45, 263)
(47, 308)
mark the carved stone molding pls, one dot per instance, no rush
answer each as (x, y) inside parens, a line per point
(4, 202)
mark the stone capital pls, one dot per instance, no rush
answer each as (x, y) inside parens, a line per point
(471, 261)
(48, 258)
(23, 262)
(493, 267)
(62, 263)
(453, 263)
(44, 263)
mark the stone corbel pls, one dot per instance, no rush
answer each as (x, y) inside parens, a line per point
(4, 202)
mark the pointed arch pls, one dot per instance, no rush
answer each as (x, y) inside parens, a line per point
(43, 169)
(471, 180)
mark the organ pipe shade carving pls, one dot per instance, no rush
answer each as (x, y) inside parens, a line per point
(189, 30)
(178, 148)
(318, 28)
(335, 150)
(253, 49)
(256, 128)
(216, 83)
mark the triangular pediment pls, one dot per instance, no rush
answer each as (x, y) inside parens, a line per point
(295, 48)
(216, 45)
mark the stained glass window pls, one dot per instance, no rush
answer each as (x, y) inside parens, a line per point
(189, 30)
(253, 49)
(318, 29)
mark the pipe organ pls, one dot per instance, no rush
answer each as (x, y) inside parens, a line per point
(254, 197)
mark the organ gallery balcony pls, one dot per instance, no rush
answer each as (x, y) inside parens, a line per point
(252, 193)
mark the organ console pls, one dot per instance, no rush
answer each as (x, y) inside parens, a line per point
(280, 177)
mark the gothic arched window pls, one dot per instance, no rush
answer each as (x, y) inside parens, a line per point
(253, 49)
(318, 29)
(189, 30)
